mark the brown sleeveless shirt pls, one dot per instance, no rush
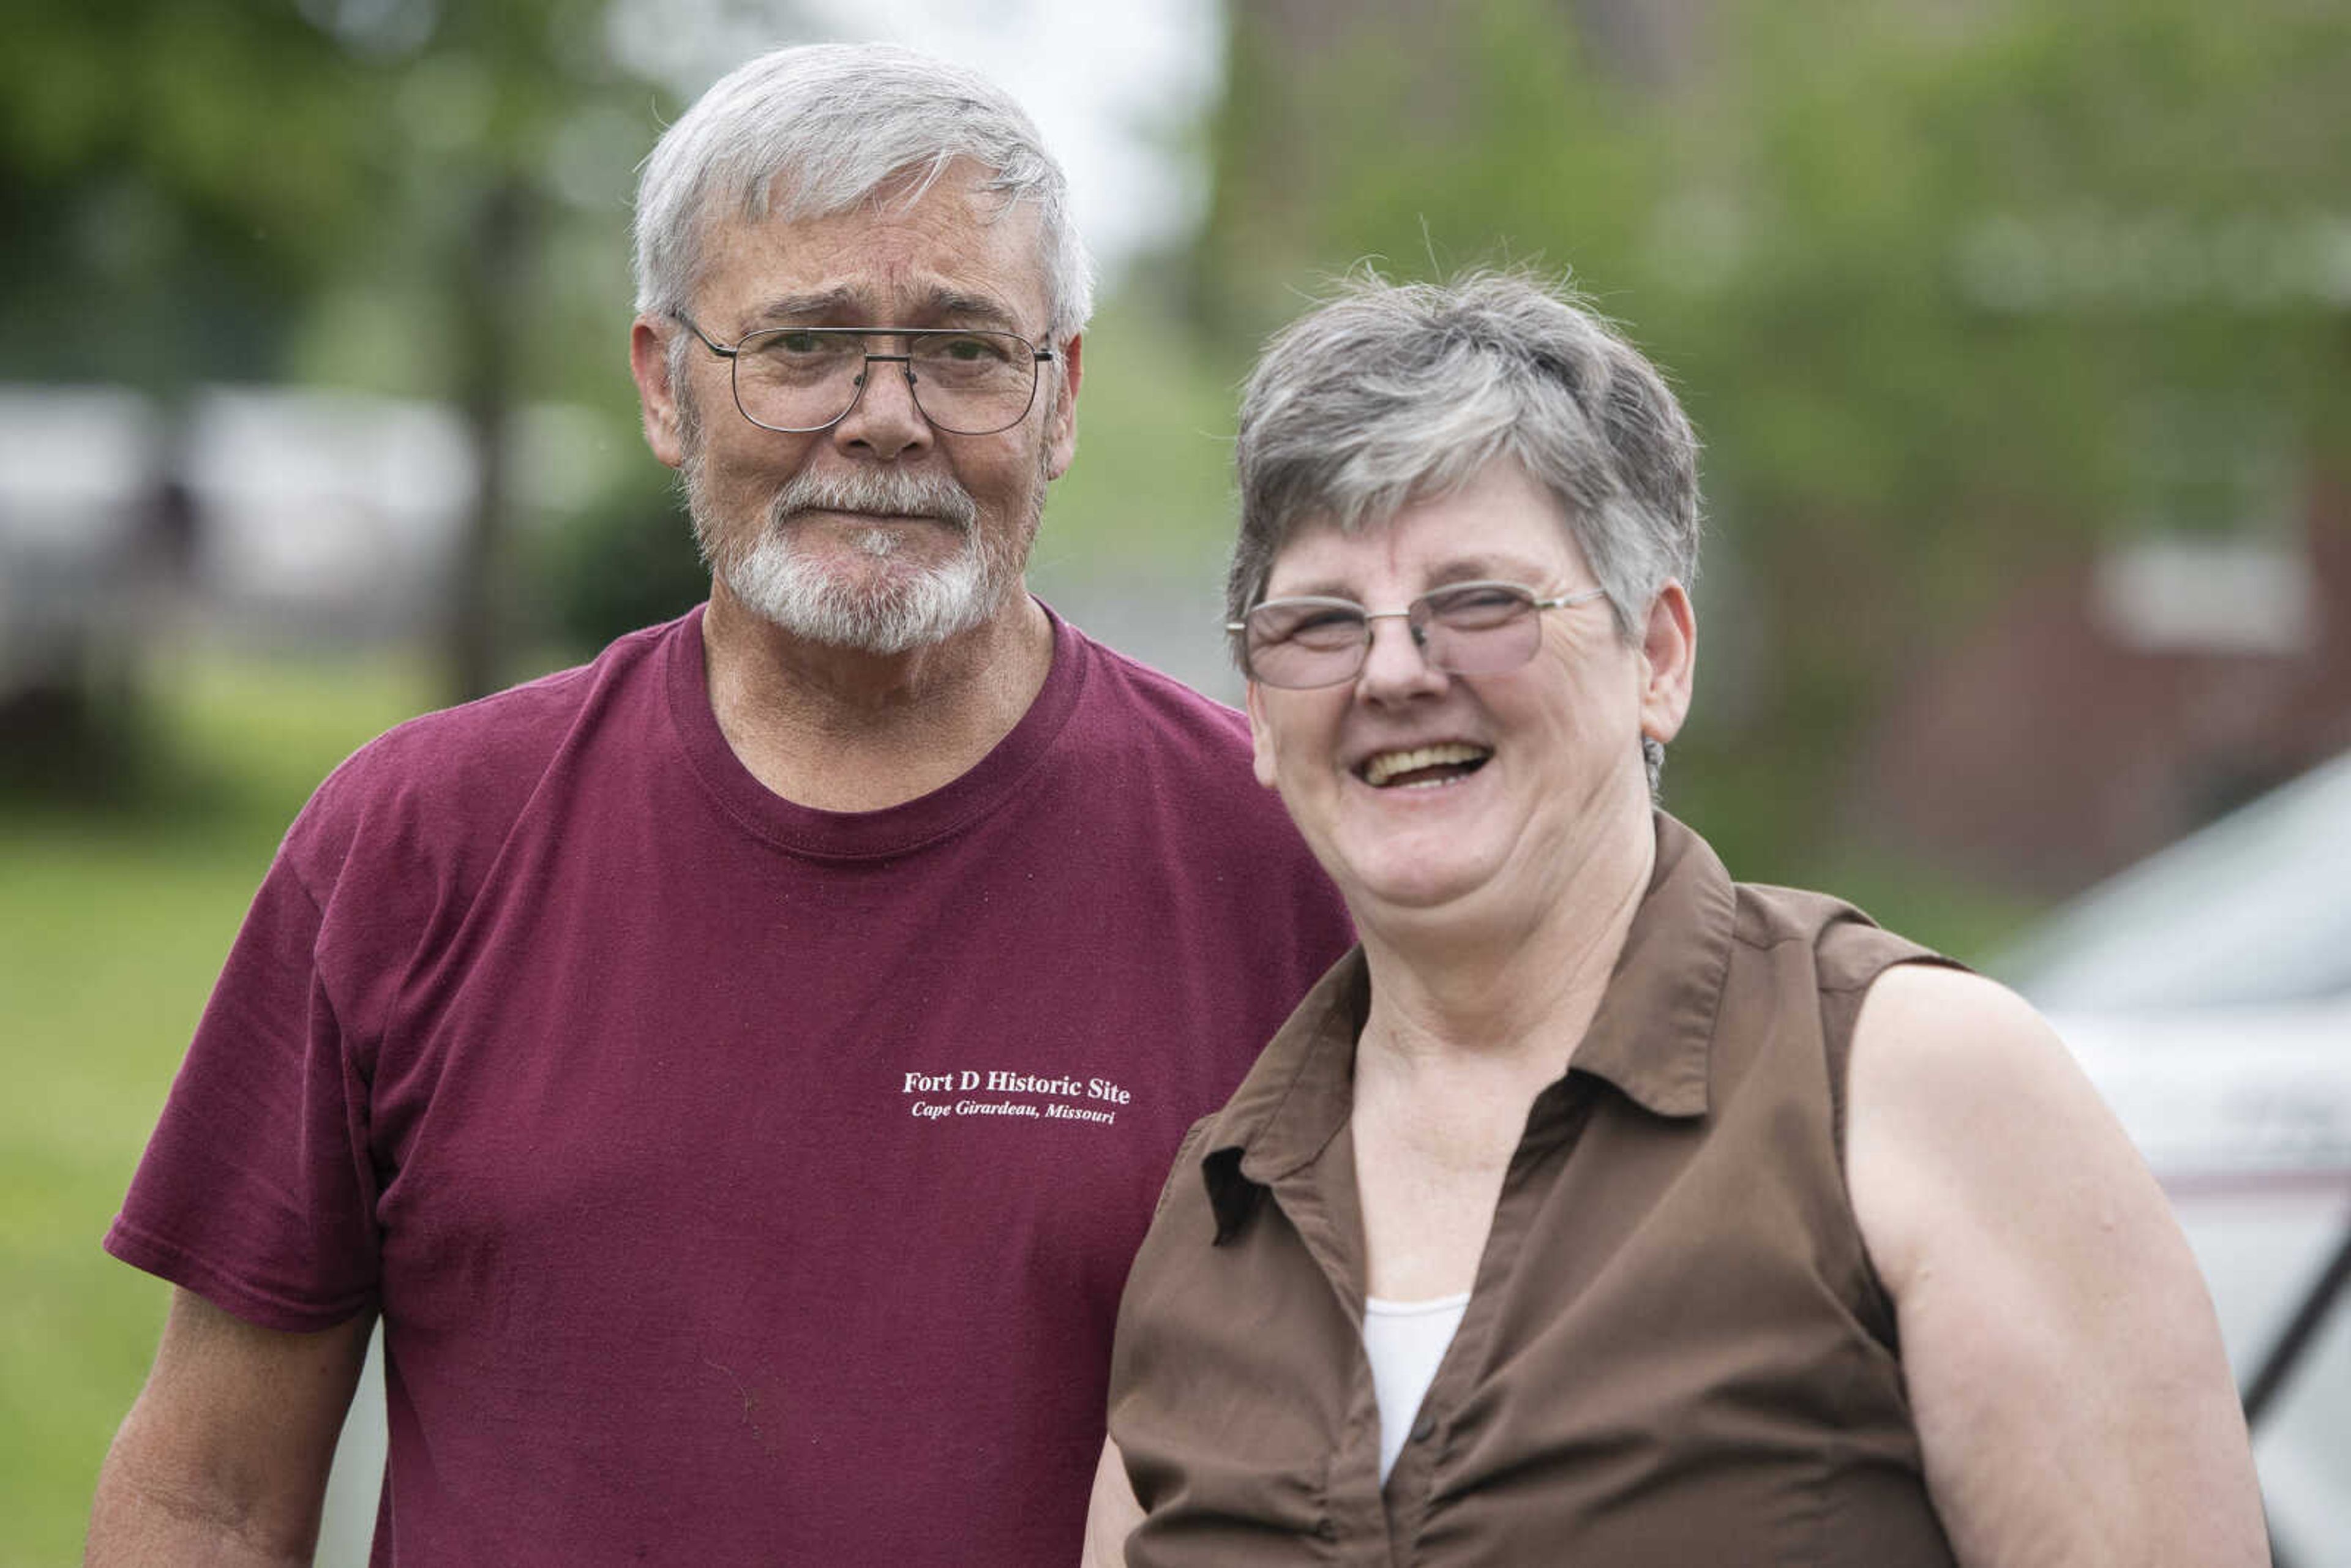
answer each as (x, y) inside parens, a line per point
(1675, 1351)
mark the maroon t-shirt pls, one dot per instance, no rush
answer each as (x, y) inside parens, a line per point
(738, 1182)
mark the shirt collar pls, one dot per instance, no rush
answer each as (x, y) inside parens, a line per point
(1655, 1028)
(1650, 1038)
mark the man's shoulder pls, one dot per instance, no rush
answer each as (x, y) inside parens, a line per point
(1129, 699)
(465, 772)
(1168, 772)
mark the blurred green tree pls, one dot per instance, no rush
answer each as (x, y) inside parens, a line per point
(169, 177)
(394, 195)
(1938, 283)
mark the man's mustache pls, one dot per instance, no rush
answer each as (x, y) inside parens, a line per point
(877, 494)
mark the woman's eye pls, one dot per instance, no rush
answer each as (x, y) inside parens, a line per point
(1477, 604)
(1326, 626)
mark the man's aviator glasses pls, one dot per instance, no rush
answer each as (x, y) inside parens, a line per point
(965, 381)
(1462, 629)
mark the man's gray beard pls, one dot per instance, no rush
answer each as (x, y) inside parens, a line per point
(778, 580)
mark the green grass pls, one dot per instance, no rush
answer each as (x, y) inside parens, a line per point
(112, 927)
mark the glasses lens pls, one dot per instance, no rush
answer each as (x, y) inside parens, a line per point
(1477, 628)
(806, 378)
(973, 383)
(798, 379)
(1303, 642)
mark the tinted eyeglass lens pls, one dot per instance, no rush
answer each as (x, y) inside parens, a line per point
(969, 383)
(1477, 628)
(1469, 629)
(1305, 641)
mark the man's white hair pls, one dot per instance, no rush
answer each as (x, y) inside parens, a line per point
(820, 128)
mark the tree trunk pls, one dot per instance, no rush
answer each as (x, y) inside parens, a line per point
(493, 268)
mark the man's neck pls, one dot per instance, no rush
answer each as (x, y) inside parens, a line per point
(843, 730)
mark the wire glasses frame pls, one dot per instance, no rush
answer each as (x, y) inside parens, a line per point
(964, 381)
(1462, 629)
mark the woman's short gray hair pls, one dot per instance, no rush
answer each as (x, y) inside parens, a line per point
(819, 129)
(1389, 394)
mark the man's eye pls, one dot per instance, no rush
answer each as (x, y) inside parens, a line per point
(970, 350)
(795, 343)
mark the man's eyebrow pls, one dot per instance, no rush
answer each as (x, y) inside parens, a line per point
(958, 305)
(843, 305)
(785, 309)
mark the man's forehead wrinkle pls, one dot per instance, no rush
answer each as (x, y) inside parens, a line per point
(931, 261)
(797, 195)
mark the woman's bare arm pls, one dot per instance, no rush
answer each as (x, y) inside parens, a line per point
(2063, 1361)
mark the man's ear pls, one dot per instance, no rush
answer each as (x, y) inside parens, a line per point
(1261, 739)
(1061, 433)
(1669, 651)
(656, 397)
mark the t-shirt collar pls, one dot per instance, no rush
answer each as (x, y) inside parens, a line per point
(993, 781)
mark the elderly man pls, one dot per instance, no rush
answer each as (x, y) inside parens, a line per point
(738, 1070)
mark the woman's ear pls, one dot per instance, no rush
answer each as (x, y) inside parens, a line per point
(1669, 649)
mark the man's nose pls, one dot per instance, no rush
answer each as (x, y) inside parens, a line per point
(885, 423)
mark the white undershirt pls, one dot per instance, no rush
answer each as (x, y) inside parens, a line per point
(1406, 1340)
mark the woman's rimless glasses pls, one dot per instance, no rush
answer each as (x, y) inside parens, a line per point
(1462, 629)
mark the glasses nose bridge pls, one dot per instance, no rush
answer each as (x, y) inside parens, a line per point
(1414, 617)
(868, 357)
(1415, 624)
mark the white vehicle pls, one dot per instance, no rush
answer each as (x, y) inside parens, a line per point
(2207, 991)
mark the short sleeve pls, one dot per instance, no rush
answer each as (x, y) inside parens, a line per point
(255, 1191)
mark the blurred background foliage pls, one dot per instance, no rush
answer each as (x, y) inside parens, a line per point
(381, 195)
(1927, 276)
(1959, 292)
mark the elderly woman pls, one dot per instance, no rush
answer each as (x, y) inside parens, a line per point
(1600, 1208)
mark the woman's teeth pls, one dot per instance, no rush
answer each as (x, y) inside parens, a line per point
(1423, 765)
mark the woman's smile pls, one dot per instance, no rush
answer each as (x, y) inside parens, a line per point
(1423, 766)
